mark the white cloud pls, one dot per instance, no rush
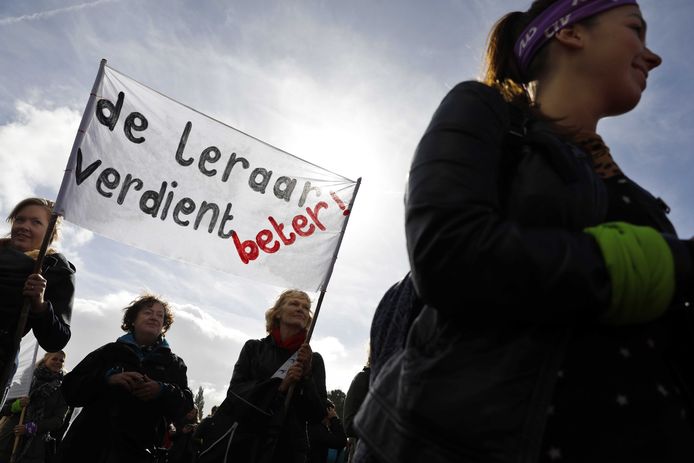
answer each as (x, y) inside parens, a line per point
(209, 326)
(107, 306)
(330, 348)
(34, 150)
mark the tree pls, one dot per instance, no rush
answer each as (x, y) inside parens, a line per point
(199, 401)
(338, 398)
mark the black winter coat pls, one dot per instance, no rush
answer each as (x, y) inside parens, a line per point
(252, 380)
(504, 261)
(51, 328)
(114, 425)
(47, 408)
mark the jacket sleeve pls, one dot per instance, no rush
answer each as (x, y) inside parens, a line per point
(52, 327)
(467, 258)
(245, 380)
(176, 399)
(87, 381)
(248, 384)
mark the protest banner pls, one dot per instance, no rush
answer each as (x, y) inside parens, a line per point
(157, 175)
(21, 382)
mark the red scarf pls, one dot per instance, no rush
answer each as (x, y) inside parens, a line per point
(292, 343)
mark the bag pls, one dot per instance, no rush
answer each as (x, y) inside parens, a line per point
(400, 403)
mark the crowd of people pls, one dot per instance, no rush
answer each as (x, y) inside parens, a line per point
(133, 395)
(546, 316)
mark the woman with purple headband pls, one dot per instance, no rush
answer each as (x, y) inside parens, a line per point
(555, 327)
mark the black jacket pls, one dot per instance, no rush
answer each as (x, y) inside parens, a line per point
(47, 408)
(113, 423)
(496, 245)
(51, 328)
(252, 381)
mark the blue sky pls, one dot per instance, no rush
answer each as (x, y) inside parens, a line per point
(349, 86)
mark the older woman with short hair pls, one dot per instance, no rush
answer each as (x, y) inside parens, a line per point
(263, 376)
(129, 390)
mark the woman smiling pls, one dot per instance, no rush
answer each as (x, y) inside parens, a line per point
(50, 293)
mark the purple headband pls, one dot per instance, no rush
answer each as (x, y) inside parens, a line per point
(561, 14)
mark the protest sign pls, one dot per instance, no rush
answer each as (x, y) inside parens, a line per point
(150, 172)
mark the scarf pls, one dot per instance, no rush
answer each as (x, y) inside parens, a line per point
(143, 351)
(34, 253)
(292, 343)
(603, 164)
(44, 382)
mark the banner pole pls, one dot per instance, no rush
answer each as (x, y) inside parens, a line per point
(329, 273)
(81, 131)
(8, 369)
(18, 438)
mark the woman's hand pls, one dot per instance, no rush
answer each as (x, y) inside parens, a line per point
(293, 376)
(24, 401)
(304, 358)
(34, 288)
(147, 390)
(29, 428)
(127, 380)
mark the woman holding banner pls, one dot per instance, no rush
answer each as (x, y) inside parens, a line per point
(45, 412)
(556, 325)
(278, 385)
(50, 293)
(129, 389)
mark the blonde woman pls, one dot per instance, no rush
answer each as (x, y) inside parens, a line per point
(50, 293)
(45, 412)
(263, 375)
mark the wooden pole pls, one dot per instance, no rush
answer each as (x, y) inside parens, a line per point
(18, 438)
(24, 315)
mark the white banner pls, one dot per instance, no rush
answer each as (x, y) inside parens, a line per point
(21, 382)
(157, 175)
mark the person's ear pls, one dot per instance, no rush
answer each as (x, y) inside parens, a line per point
(571, 36)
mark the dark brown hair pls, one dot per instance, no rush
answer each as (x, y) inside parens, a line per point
(501, 68)
(45, 203)
(146, 300)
